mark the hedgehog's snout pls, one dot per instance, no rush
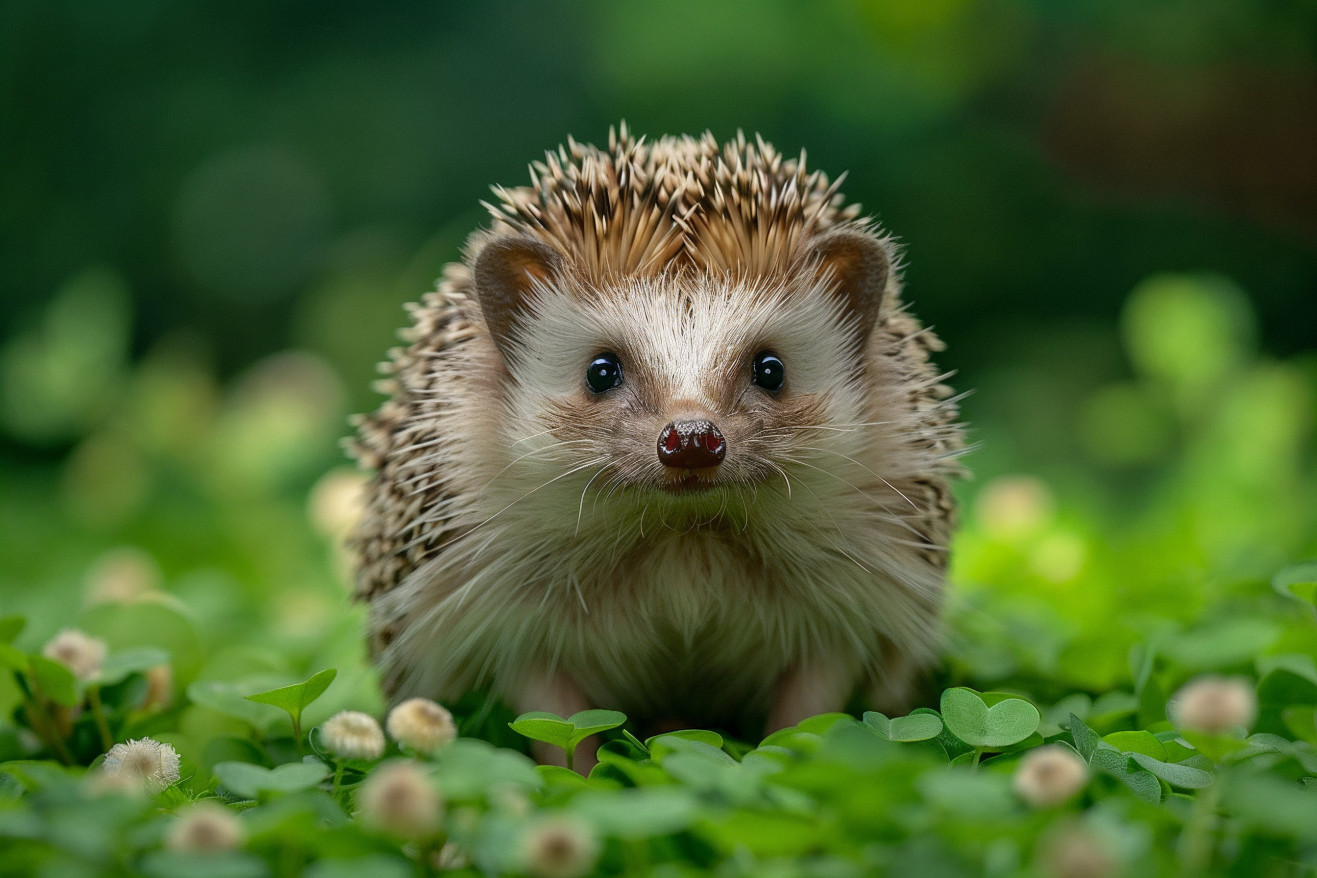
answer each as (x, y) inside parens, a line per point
(691, 444)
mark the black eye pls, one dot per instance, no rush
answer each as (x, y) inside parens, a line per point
(769, 373)
(605, 373)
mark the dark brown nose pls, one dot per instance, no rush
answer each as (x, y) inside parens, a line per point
(691, 445)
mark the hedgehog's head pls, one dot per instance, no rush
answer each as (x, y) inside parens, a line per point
(684, 388)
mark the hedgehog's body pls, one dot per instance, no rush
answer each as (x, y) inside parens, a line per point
(665, 442)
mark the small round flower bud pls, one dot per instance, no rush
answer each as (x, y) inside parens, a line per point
(1050, 775)
(204, 828)
(559, 847)
(421, 724)
(148, 762)
(159, 687)
(354, 735)
(335, 503)
(1215, 705)
(80, 653)
(398, 798)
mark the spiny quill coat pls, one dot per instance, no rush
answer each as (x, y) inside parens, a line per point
(522, 533)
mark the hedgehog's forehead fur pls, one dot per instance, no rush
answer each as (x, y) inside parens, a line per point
(674, 206)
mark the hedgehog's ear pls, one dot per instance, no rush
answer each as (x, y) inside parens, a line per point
(505, 273)
(857, 265)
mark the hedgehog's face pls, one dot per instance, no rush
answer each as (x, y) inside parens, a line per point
(684, 392)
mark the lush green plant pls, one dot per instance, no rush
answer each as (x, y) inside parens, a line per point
(1131, 682)
(941, 789)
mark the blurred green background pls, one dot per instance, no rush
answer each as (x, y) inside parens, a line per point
(212, 213)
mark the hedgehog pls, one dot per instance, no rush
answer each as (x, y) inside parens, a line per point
(665, 441)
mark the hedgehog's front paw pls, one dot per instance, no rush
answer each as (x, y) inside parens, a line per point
(813, 686)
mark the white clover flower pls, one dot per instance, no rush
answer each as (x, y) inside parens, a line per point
(1050, 775)
(353, 734)
(1215, 705)
(204, 828)
(399, 798)
(150, 763)
(559, 847)
(421, 724)
(77, 651)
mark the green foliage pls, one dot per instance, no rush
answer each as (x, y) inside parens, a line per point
(1299, 582)
(1009, 721)
(293, 699)
(1086, 595)
(250, 781)
(566, 734)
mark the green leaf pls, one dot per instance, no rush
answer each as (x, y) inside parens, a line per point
(13, 658)
(905, 729)
(1298, 663)
(470, 768)
(702, 750)
(372, 865)
(977, 795)
(635, 742)
(1177, 775)
(880, 723)
(250, 780)
(55, 680)
(1086, 740)
(1274, 806)
(10, 626)
(131, 661)
(640, 812)
(592, 722)
(616, 765)
(1298, 581)
(227, 698)
(1140, 741)
(1140, 781)
(230, 749)
(1112, 706)
(794, 739)
(296, 697)
(1302, 721)
(32, 774)
(713, 739)
(216, 864)
(540, 725)
(823, 722)
(969, 718)
(1214, 747)
(557, 776)
(1223, 643)
(1283, 686)
(763, 833)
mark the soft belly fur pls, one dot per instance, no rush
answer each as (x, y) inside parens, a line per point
(691, 627)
